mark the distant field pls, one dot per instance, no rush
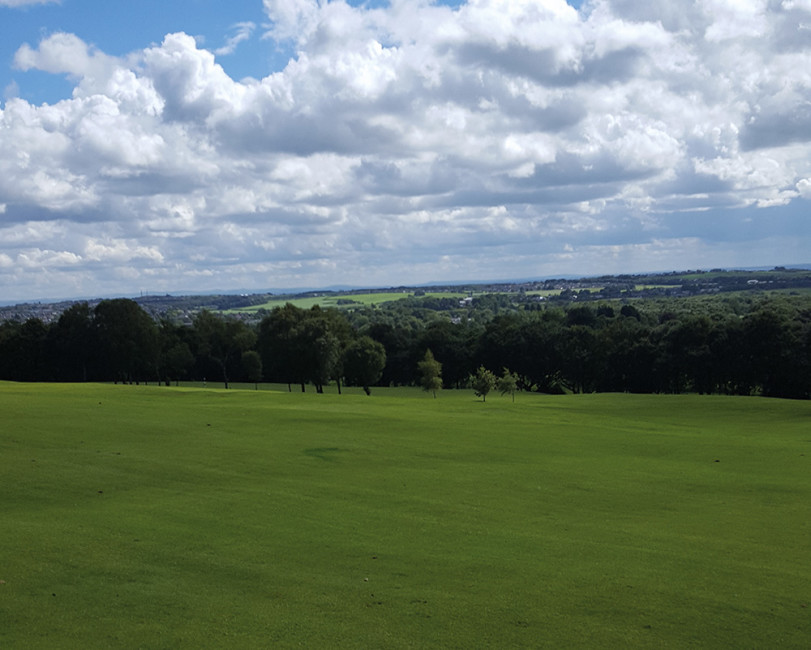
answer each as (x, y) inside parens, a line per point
(338, 301)
(159, 517)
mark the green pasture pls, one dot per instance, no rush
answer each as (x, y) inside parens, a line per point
(335, 300)
(155, 517)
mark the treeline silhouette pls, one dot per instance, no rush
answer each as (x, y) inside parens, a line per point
(738, 347)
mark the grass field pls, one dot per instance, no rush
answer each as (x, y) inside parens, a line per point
(147, 517)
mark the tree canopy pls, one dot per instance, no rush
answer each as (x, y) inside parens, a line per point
(749, 345)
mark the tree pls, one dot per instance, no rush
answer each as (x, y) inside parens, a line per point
(9, 346)
(323, 353)
(580, 358)
(252, 365)
(630, 357)
(72, 341)
(540, 362)
(176, 356)
(398, 337)
(629, 311)
(23, 350)
(279, 347)
(299, 345)
(483, 382)
(507, 383)
(222, 340)
(430, 371)
(177, 361)
(128, 343)
(688, 355)
(773, 343)
(454, 344)
(581, 315)
(363, 362)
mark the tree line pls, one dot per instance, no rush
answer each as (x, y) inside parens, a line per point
(118, 341)
(757, 347)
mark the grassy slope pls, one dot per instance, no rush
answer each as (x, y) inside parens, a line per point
(156, 517)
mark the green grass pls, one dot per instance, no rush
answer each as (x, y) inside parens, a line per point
(152, 517)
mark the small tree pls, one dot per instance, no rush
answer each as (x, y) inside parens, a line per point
(508, 383)
(483, 382)
(430, 373)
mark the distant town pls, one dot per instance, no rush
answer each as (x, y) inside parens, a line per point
(676, 284)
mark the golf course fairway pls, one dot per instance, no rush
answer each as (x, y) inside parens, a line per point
(166, 517)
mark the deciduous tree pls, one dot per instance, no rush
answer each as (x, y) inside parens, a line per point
(363, 362)
(127, 340)
(483, 382)
(507, 383)
(430, 372)
(252, 366)
(222, 340)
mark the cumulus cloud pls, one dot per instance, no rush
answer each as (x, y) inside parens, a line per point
(413, 142)
(65, 53)
(291, 19)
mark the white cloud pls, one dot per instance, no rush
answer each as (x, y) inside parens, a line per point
(119, 251)
(736, 19)
(494, 132)
(292, 19)
(242, 32)
(63, 53)
(46, 259)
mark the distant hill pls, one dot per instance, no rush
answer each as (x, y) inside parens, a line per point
(605, 287)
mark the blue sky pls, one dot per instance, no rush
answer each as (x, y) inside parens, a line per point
(118, 28)
(198, 145)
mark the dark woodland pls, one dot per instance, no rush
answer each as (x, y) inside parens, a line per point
(742, 343)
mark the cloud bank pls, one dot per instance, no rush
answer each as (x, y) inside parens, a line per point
(416, 142)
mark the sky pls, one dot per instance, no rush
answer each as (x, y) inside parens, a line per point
(202, 146)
